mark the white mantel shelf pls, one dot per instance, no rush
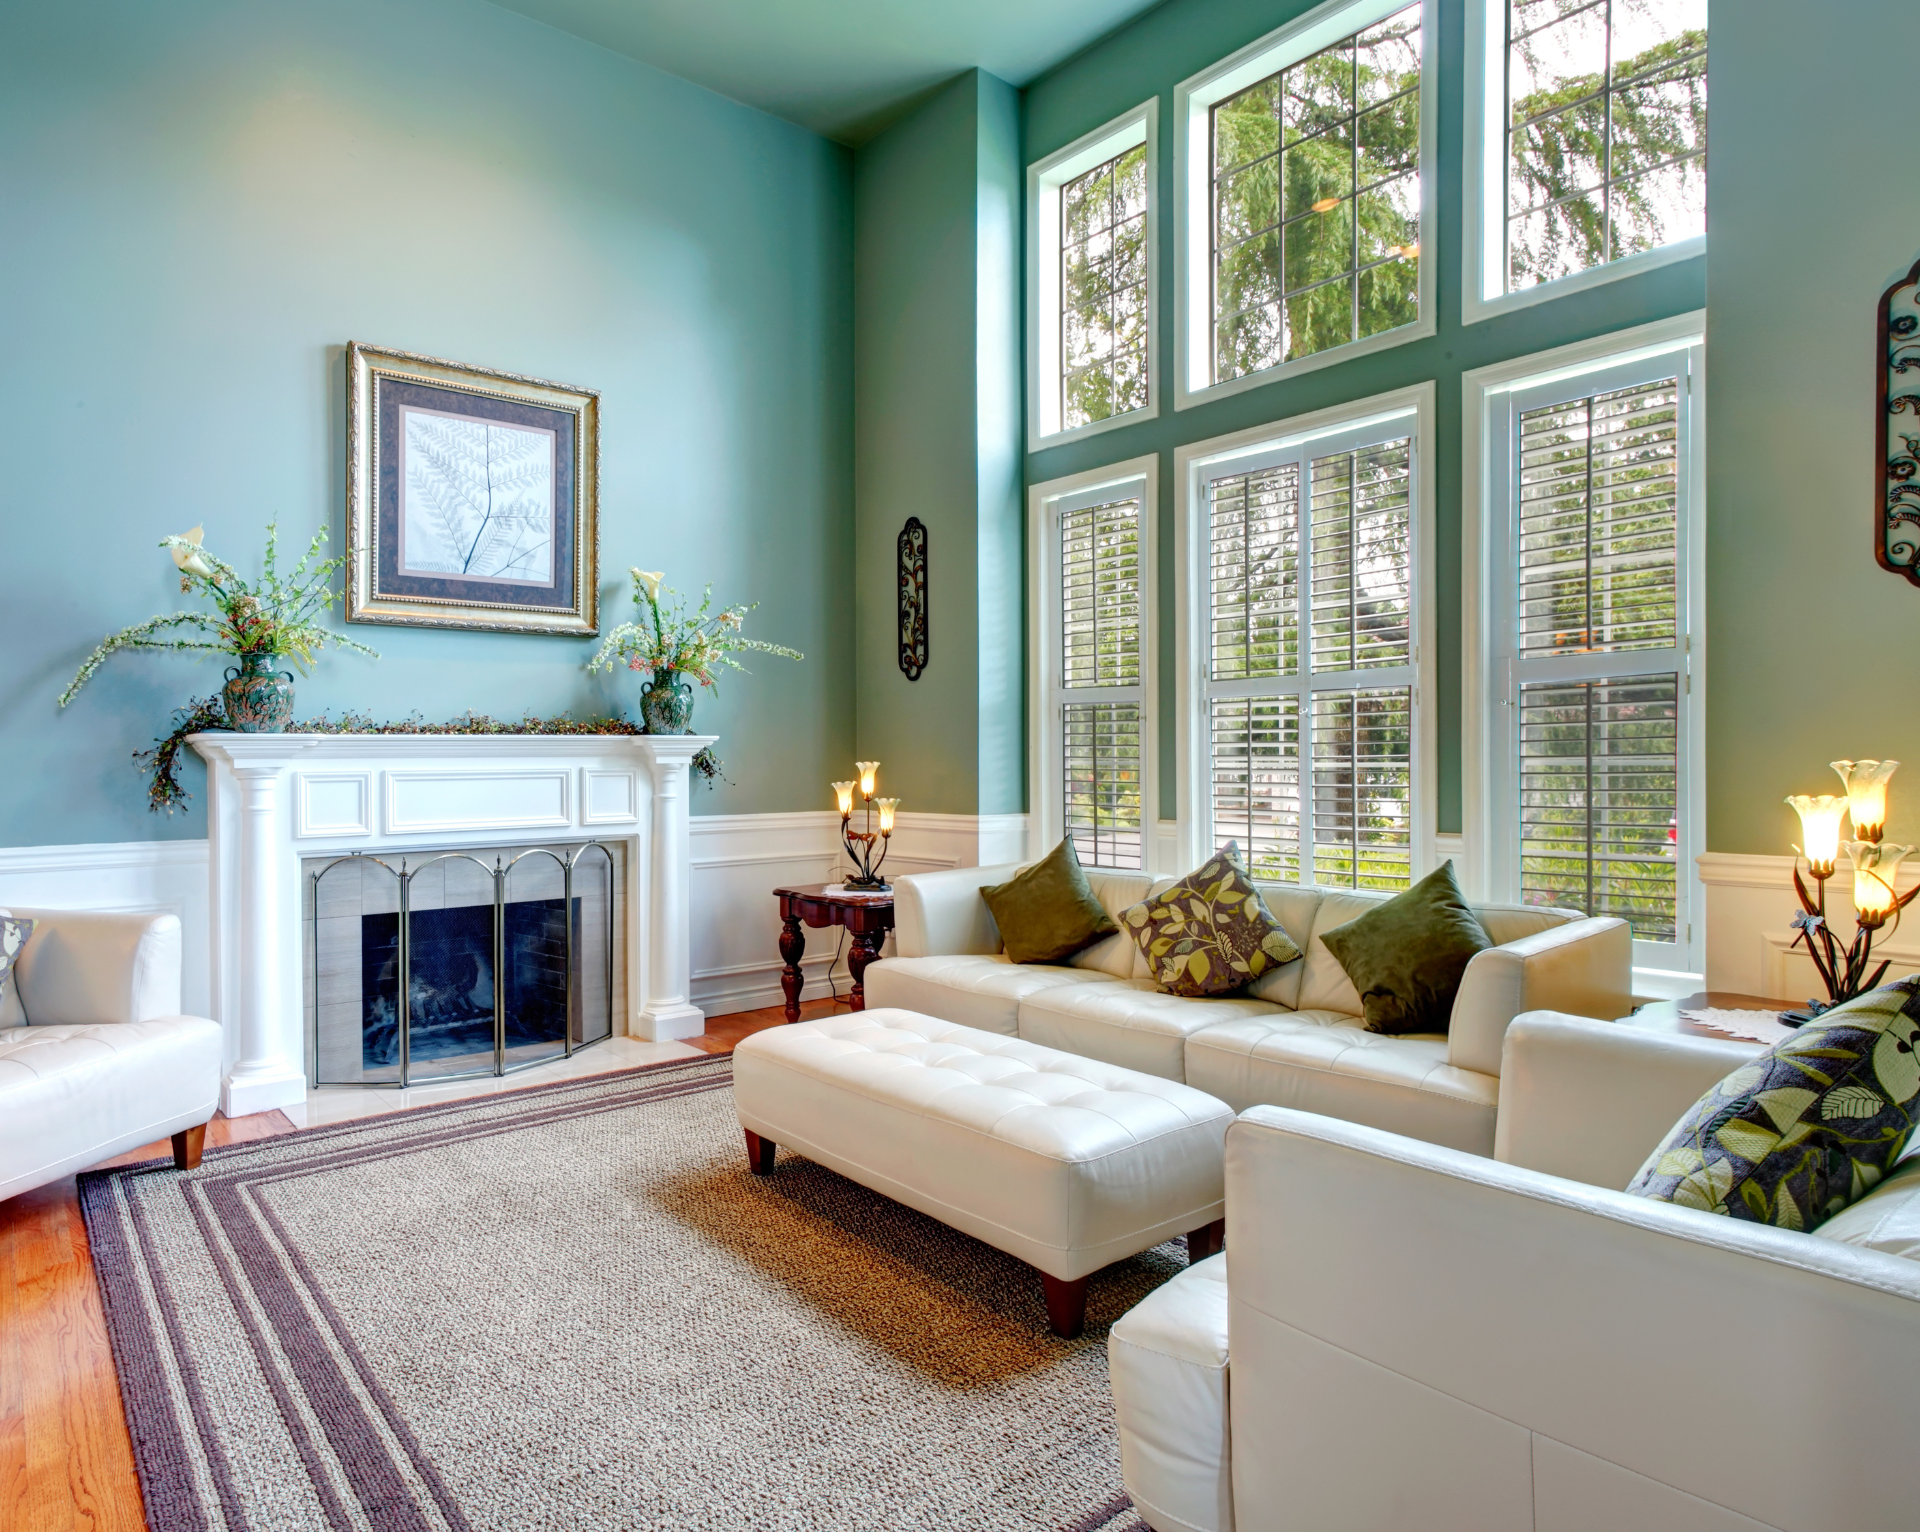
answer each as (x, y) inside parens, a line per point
(276, 799)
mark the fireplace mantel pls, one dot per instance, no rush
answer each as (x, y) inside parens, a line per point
(275, 799)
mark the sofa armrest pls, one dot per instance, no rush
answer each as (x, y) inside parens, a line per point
(1543, 1353)
(1590, 1100)
(85, 967)
(1584, 968)
(936, 914)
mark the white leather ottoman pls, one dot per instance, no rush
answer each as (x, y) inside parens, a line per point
(1065, 1162)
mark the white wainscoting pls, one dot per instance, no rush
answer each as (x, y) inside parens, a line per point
(1750, 902)
(739, 859)
(123, 877)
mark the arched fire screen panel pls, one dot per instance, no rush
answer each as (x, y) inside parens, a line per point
(453, 967)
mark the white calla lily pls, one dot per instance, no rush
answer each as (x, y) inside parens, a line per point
(651, 581)
(188, 558)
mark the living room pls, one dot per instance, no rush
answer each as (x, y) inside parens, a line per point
(1051, 767)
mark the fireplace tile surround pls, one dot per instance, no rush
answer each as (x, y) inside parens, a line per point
(278, 801)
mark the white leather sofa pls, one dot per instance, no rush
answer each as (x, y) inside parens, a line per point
(95, 1058)
(1295, 1039)
(1401, 1336)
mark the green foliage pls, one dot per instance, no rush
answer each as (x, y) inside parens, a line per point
(696, 644)
(277, 616)
(1103, 290)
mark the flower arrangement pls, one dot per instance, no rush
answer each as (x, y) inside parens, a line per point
(696, 644)
(274, 618)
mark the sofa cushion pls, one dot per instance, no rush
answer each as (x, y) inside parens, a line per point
(1167, 1358)
(1805, 1128)
(1295, 908)
(1117, 891)
(1505, 923)
(1324, 985)
(1887, 1219)
(1047, 911)
(1406, 956)
(1327, 1062)
(968, 989)
(1135, 1025)
(1210, 933)
(13, 936)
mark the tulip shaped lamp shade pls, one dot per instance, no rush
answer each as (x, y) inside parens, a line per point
(1875, 864)
(1820, 829)
(861, 843)
(1867, 795)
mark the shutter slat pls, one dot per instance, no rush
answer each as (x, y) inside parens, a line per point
(1100, 646)
(1254, 746)
(1101, 757)
(1360, 525)
(1363, 787)
(1254, 554)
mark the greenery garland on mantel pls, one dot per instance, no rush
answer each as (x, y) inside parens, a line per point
(205, 715)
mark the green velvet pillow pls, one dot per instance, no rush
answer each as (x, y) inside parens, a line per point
(1406, 957)
(1047, 911)
(1809, 1126)
(1211, 932)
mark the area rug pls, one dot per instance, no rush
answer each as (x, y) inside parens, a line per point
(571, 1308)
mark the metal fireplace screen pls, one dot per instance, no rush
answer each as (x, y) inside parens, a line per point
(459, 964)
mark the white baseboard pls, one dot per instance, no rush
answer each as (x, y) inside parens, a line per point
(124, 877)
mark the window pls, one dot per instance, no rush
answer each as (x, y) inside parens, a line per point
(1591, 568)
(1090, 279)
(1304, 607)
(1094, 726)
(1593, 126)
(1307, 160)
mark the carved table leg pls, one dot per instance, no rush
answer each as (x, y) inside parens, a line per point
(188, 1144)
(1066, 1304)
(793, 946)
(1208, 1239)
(865, 948)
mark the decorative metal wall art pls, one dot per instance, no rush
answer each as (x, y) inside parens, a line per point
(1896, 515)
(473, 496)
(913, 598)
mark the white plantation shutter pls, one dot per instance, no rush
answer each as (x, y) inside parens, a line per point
(1593, 651)
(1098, 703)
(1310, 747)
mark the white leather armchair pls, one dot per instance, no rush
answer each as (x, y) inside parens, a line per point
(95, 1058)
(1413, 1337)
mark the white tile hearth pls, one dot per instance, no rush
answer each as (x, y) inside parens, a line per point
(340, 1104)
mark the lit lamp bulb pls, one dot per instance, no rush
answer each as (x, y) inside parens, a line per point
(1819, 829)
(1874, 867)
(844, 792)
(1867, 795)
(886, 806)
(868, 770)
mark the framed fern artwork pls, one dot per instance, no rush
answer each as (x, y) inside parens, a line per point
(472, 496)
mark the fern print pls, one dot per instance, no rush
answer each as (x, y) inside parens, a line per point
(476, 499)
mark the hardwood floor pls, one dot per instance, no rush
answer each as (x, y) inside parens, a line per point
(66, 1461)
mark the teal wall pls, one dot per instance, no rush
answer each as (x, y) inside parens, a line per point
(937, 432)
(1813, 215)
(1150, 58)
(204, 200)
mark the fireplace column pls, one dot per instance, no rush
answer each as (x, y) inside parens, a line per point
(263, 1076)
(666, 1011)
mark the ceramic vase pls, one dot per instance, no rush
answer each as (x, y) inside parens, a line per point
(666, 704)
(258, 701)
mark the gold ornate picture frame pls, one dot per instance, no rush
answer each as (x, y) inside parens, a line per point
(473, 497)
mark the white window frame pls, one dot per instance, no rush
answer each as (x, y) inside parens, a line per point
(1408, 409)
(1487, 398)
(1045, 691)
(1483, 274)
(1193, 100)
(1044, 180)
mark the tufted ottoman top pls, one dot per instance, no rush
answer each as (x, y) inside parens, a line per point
(1064, 1161)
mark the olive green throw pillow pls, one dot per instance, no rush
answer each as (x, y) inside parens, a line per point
(1808, 1127)
(1047, 911)
(1406, 957)
(1211, 932)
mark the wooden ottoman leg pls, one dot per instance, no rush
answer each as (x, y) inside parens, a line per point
(1209, 1239)
(187, 1146)
(759, 1152)
(1066, 1304)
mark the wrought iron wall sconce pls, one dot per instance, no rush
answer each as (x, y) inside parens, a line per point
(1875, 862)
(913, 598)
(1896, 512)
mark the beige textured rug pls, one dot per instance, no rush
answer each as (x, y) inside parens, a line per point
(572, 1307)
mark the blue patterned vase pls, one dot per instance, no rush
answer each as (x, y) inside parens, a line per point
(258, 701)
(666, 704)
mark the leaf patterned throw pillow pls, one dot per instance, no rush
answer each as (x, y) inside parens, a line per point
(1211, 932)
(1806, 1128)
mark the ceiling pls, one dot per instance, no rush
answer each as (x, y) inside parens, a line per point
(845, 68)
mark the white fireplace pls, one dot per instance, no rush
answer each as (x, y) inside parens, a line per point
(276, 801)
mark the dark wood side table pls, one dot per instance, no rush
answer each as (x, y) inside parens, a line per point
(867, 916)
